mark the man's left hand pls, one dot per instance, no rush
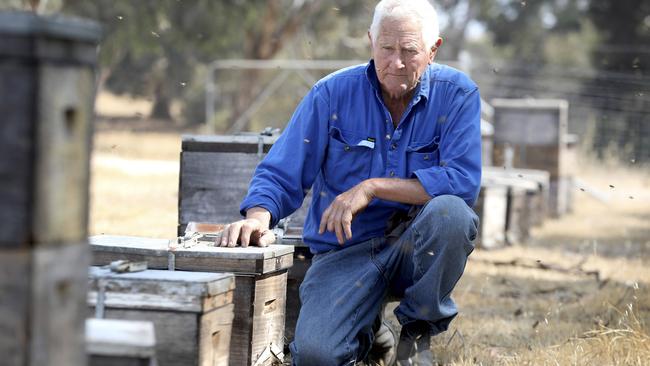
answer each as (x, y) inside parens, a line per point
(338, 216)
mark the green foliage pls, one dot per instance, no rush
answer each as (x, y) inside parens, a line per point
(623, 61)
(151, 47)
(592, 52)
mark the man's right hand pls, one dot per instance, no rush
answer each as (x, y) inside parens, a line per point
(253, 230)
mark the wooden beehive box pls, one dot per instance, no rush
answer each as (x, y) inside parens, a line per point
(219, 169)
(537, 199)
(487, 142)
(523, 195)
(47, 85)
(491, 208)
(192, 311)
(260, 278)
(532, 134)
(112, 342)
(301, 263)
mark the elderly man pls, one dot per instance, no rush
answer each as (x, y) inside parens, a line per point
(391, 151)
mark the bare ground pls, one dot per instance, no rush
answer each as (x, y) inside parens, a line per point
(575, 294)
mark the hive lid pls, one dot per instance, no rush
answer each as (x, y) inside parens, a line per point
(25, 23)
(251, 144)
(162, 246)
(202, 257)
(192, 283)
(113, 337)
(158, 290)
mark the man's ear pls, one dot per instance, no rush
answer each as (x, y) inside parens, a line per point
(370, 39)
(434, 49)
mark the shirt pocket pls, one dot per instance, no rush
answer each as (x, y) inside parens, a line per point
(347, 163)
(422, 155)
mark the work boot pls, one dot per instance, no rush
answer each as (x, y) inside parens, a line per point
(384, 347)
(414, 348)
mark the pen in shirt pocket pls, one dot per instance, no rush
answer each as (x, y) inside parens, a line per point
(369, 142)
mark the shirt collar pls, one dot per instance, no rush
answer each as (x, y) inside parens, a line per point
(421, 90)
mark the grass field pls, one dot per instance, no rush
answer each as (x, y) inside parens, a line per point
(575, 294)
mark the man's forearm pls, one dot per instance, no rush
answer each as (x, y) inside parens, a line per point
(408, 191)
(261, 214)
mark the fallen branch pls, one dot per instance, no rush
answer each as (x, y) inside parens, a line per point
(538, 264)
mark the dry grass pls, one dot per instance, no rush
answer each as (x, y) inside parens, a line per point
(134, 184)
(108, 104)
(509, 315)
(509, 320)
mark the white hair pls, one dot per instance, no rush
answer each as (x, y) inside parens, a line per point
(420, 11)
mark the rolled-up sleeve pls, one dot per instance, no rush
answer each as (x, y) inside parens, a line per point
(459, 170)
(286, 174)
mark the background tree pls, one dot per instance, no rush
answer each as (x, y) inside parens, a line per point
(151, 47)
(594, 53)
(622, 61)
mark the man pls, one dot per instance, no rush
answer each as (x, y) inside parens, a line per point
(391, 151)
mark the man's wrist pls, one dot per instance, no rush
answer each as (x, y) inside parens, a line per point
(370, 187)
(260, 214)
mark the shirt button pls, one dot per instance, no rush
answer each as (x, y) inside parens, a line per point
(392, 173)
(347, 148)
(387, 137)
(393, 147)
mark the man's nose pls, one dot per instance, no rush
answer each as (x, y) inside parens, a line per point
(396, 60)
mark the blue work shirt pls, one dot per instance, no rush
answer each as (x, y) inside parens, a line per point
(342, 133)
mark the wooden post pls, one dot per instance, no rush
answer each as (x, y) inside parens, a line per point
(47, 87)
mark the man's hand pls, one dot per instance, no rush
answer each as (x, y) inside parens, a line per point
(253, 230)
(338, 216)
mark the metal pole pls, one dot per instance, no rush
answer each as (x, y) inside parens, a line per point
(259, 101)
(245, 64)
(209, 102)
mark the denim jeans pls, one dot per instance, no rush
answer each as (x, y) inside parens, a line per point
(343, 290)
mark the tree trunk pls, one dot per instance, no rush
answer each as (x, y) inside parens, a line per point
(264, 44)
(161, 104)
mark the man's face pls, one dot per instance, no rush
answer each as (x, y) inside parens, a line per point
(400, 56)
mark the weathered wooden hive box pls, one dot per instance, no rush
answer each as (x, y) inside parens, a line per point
(487, 142)
(192, 311)
(113, 342)
(47, 87)
(521, 195)
(492, 208)
(537, 199)
(218, 169)
(532, 134)
(260, 280)
(301, 263)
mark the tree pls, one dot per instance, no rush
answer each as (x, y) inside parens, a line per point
(622, 59)
(157, 47)
(151, 47)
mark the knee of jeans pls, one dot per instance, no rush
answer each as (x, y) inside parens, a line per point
(452, 216)
(313, 350)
